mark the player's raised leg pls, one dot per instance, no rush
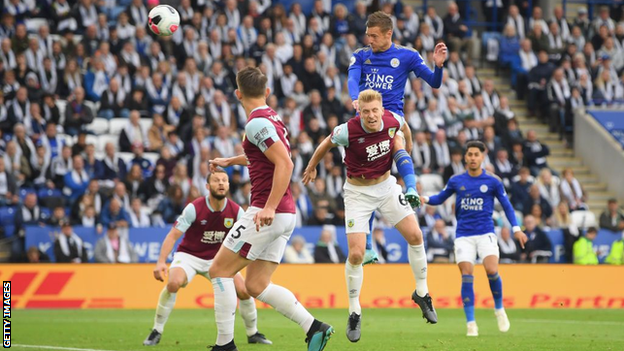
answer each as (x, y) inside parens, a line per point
(467, 294)
(408, 227)
(249, 313)
(496, 286)
(166, 301)
(354, 276)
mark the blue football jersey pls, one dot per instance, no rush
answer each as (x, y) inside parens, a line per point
(387, 73)
(475, 202)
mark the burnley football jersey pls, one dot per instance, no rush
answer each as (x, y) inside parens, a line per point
(264, 128)
(205, 228)
(368, 155)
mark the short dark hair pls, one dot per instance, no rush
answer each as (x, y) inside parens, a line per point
(218, 170)
(251, 82)
(612, 201)
(475, 143)
(591, 230)
(380, 20)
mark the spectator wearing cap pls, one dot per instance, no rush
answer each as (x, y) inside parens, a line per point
(584, 253)
(68, 247)
(114, 249)
(77, 114)
(612, 218)
(297, 252)
(327, 249)
(582, 21)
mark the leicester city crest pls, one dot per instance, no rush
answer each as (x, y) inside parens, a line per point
(228, 222)
(350, 223)
(391, 132)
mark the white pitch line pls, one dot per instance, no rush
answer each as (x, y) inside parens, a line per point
(55, 347)
(567, 321)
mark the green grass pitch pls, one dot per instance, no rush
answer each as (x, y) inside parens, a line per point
(382, 330)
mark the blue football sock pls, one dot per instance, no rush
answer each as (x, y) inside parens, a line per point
(406, 168)
(496, 286)
(467, 294)
(369, 236)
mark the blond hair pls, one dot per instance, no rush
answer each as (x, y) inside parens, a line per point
(369, 95)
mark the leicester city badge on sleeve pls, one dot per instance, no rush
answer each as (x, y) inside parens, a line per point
(228, 222)
(391, 132)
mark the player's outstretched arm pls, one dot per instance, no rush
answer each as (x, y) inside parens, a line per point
(501, 195)
(433, 78)
(240, 160)
(309, 174)
(353, 81)
(160, 270)
(439, 199)
(278, 155)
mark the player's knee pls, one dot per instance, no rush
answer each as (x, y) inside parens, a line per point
(491, 270)
(255, 288)
(416, 237)
(356, 257)
(173, 286)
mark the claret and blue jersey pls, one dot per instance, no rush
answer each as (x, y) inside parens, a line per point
(475, 202)
(387, 72)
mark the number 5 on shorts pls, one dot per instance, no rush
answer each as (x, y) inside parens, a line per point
(238, 231)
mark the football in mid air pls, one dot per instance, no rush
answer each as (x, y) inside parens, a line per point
(163, 20)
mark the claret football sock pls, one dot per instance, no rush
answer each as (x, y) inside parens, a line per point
(496, 286)
(284, 302)
(247, 309)
(224, 308)
(354, 275)
(418, 261)
(467, 294)
(166, 301)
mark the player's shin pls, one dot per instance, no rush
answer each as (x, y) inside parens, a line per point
(224, 308)
(418, 261)
(496, 286)
(354, 275)
(467, 294)
(284, 302)
(250, 315)
(166, 301)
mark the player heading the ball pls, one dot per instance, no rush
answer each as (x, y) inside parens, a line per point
(368, 140)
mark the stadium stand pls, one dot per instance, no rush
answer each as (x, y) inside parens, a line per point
(78, 67)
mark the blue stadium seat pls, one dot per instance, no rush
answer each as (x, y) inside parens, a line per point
(25, 191)
(7, 216)
(51, 198)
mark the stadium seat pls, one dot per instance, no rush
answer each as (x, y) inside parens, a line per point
(117, 125)
(92, 139)
(62, 105)
(152, 157)
(92, 105)
(50, 198)
(126, 157)
(25, 191)
(431, 182)
(146, 123)
(33, 24)
(584, 219)
(69, 140)
(103, 139)
(7, 215)
(99, 126)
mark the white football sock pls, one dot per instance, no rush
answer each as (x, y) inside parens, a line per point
(354, 276)
(166, 301)
(286, 303)
(224, 308)
(247, 309)
(418, 261)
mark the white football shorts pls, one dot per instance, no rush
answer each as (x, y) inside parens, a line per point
(191, 265)
(268, 244)
(468, 247)
(361, 201)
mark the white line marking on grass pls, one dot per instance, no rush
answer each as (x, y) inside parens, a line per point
(567, 321)
(55, 347)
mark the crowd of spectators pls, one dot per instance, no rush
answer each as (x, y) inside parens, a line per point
(87, 66)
